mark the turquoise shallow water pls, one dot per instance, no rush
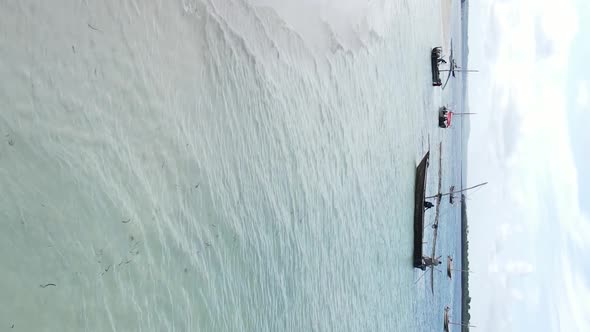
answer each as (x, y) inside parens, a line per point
(216, 166)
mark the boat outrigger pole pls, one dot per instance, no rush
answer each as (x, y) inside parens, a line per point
(459, 270)
(462, 324)
(454, 192)
(461, 70)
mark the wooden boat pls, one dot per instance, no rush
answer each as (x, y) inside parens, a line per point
(452, 197)
(449, 267)
(446, 319)
(419, 193)
(435, 55)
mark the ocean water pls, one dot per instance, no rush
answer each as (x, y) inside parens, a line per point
(219, 165)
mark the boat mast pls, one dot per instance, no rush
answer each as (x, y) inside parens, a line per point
(436, 216)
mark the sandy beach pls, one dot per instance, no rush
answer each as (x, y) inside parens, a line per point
(445, 19)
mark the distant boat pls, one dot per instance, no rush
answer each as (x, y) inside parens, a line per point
(451, 196)
(449, 266)
(419, 193)
(447, 321)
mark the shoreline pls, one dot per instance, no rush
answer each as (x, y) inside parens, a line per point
(465, 297)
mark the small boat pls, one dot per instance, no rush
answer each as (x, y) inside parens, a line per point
(419, 193)
(446, 319)
(445, 116)
(451, 196)
(449, 266)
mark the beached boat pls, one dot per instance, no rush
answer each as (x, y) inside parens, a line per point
(419, 193)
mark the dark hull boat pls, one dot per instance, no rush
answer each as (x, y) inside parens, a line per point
(435, 55)
(451, 197)
(446, 319)
(420, 190)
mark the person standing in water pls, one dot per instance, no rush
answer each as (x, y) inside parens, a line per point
(428, 261)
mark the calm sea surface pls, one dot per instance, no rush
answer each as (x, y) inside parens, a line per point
(220, 165)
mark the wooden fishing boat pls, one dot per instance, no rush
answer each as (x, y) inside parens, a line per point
(435, 56)
(446, 319)
(451, 196)
(419, 193)
(449, 266)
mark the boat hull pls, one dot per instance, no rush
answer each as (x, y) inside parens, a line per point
(451, 196)
(434, 56)
(419, 193)
(442, 117)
